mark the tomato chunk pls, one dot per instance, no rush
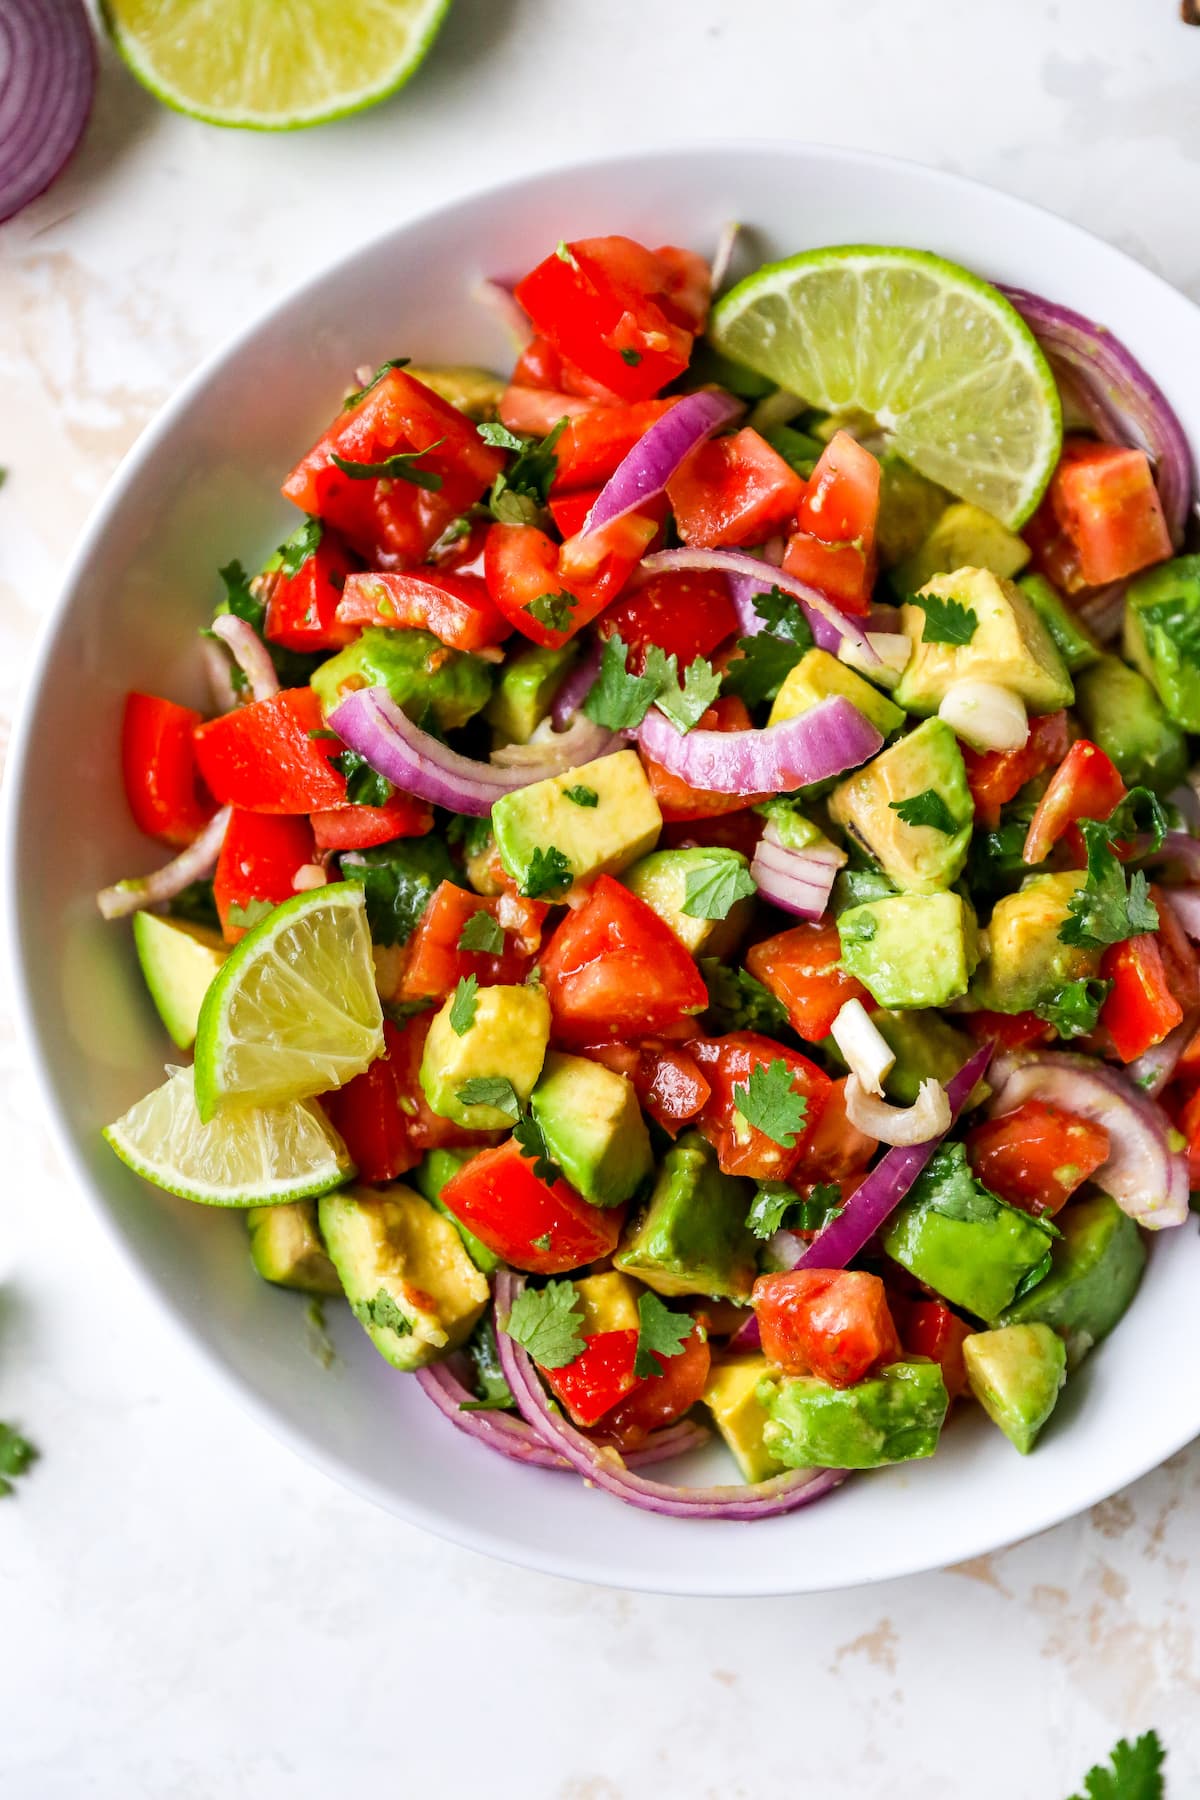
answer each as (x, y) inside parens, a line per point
(997, 776)
(685, 613)
(266, 757)
(1037, 1155)
(368, 1113)
(929, 1328)
(1140, 1009)
(158, 762)
(353, 827)
(741, 1147)
(613, 969)
(834, 545)
(498, 1195)
(598, 1378)
(1180, 963)
(570, 511)
(834, 1323)
(1104, 501)
(597, 439)
(456, 608)
(659, 1400)
(669, 1084)
(256, 869)
(677, 799)
(733, 490)
(302, 604)
(1012, 1031)
(802, 968)
(834, 1150)
(435, 961)
(549, 591)
(1086, 785)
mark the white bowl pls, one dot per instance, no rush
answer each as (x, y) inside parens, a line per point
(202, 487)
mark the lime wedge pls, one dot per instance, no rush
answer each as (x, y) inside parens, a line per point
(946, 367)
(270, 66)
(294, 1011)
(247, 1156)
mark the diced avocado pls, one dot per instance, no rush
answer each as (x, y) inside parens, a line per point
(179, 962)
(418, 671)
(1009, 646)
(894, 1416)
(1016, 1373)
(286, 1247)
(799, 451)
(818, 676)
(909, 507)
(691, 1237)
(1026, 960)
(1095, 1269)
(476, 392)
(506, 1039)
(407, 1277)
(593, 1127)
(526, 688)
(709, 364)
(661, 880)
(921, 772)
(429, 1178)
(911, 949)
(740, 1416)
(596, 838)
(1076, 645)
(1120, 711)
(609, 1302)
(925, 1046)
(1162, 635)
(964, 537)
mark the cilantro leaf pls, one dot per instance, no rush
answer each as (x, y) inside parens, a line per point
(364, 785)
(1074, 1008)
(549, 873)
(1110, 907)
(552, 610)
(384, 1313)
(403, 466)
(632, 357)
(398, 878)
(520, 492)
(946, 621)
(197, 904)
(926, 808)
(770, 1103)
(714, 888)
(490, 1090)
(482, 932)
(685, 705)
(357, 394)
(250, 914)
(531, 1141)
(948, 1186)
(618, 700)
(777, 1207)
(822, 1207)
(462, 1007)
(1135, 1772)
(16, 1455)
(784, 618)
(500, 437)
(770, 1207)
(472, 835)
(304, 542)
(239, 598)
(661, 1332)
(547, 1322)
(767, 659)
(737, 1002)
(1139, 814)
(492, 1392)
(582, 796)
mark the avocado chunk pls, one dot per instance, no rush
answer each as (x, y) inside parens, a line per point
(691, 1237)
(178, 961)
(1008, 646)
(1026, 961)
(526, 690)
(286, 1247)
(1095, 1268)
(476, 392)
(740, 1416)
(609, 1302)
(410, 1283)
(819, 676)
(963, 537)
(661, 880)
(505, 1040)
(1076, 645)
(419, 672)
(593, 1127)
(1120, 711)
(968, 1246)
(894, 1416)
(1162, 635)
(429, 1178)
(922, 776)
(597, 835)
(909, 507)
(910, 949)
(926, 1046)
(1016, 1373)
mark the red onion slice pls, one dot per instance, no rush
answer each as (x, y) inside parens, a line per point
(1153, 1069)
(751, 575)
(192, 864)
(723, 254)
(1177, 847)
(828, 739)
(576, 687)
(47, 79)
(512, 1437)
(798, 881)
(1185, 904)
(249, 653)
(644, 473)
(500, 300)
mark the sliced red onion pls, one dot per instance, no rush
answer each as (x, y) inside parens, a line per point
(220, 680)
(1177, 847)
(1185, 904)
(501, 1431)
(500, 300)
(1102, 610)
(47, 79)
(723, 254)
(604, 1467)
(1147, 1179)
(1124, 404)
(828, 739)
(747, 1337)
(798, 881)
(645, 471)
(1152, 1070)
(192, 864)
(576, 687)
(550, 752)
(249, 653)
(750, 575)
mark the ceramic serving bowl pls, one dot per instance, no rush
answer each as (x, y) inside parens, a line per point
(202, 486)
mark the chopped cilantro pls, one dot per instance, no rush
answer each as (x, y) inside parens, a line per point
(239, 600)
(492, 1392)
(661, 1332)
(784, 618)
(1111, 906)
(948, 1186)
(548, 1323)
(769, 1102)
(770, 1207)
(1139, 815)
(531, 1140)
(500, 437)
(403, 466)
(632, 357)
(618, 700)
(549, 873)
(383, 1313)
(713, 889)
(196, 904)
(295, 551)
(552, 610)
(767, 659)
(16, 1455)
(489, 1090)
(564, 254)
(250, 914)
(1074, 1008)
(472, 835)
(946, 621)
(926, 808)
(398, 878)
(365, 786)
(581, 796)
(357, 394)
(822, 1207)
(1134, 1772)
(737, 1002)
(462, 1007)
(482, 932)
(685, 705)
(541, 1243)
(1031, 1277)
(521, 491)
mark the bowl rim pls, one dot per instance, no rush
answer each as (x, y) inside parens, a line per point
(477, 1537)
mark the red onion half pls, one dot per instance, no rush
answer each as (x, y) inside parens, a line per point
(828, 739)
(645, 471)
(47, 79)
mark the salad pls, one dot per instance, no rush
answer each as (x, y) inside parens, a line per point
(685, 895)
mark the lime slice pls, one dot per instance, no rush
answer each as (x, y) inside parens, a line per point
(946, 367)
(269, 66)
(247, 1156)
(294, 1011)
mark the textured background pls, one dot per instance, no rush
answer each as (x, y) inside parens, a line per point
(186, 1612)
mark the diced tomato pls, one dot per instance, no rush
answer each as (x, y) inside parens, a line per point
(802, 968)
(742, 1149)
(536, 411)
(1140, 1009)
(456, 608)
(268, 756)
(388, 519)
(1036, 1156)
(834, 1150)
(500, 1198)
(462, 549)
(1180, 964)
(427, 1130)
(733, 490)
(1104, 501)
(1086, 785)
(929, 1328)
(997, 776)
(834, 1323)
(598, 1378)
(685, 612)
(368, 1114)
(622, 1059)
(539, 365)
(677, 799)
(158, 762)
(1187, 1069)
(352, 827)
(570, 511)
(434, 962)
(728, 831)
(302, 605)
(550, 591)
(597, 440)
(659, 1400)
(834, 545)
(620, 312)
(260, 855)
(613, 969)
(1012, 1031)
(669, 1084)
(1189, 1125)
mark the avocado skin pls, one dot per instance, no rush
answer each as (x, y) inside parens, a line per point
(691, 1238)
(1096, 1268)
(1120, 711)
(977, 1264)
(1016, 1373)
(894, 1416)
(417, 670)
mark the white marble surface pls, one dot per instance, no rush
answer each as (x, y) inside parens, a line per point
(186, 1612)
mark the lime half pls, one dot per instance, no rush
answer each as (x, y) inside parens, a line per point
(948, 369)
(268, 65)
(294, 1011)
(247, 1156)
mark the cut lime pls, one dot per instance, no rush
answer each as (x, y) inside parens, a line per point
(270, 66)
(294, 1011)
(247, 1156)
(946, 367)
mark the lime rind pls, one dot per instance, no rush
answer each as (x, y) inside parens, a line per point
(948, 368)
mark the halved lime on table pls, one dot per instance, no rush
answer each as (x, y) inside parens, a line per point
(270, 65)
(941, 361)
